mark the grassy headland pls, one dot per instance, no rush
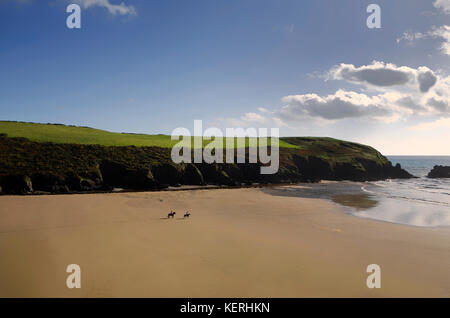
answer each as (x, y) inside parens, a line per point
(59, 158)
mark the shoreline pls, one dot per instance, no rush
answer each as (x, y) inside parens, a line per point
(351, 209)
(269, 188)
(184, 188)
(168, 189)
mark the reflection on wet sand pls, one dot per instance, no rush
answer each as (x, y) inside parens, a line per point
(356, 201)
(397, 201)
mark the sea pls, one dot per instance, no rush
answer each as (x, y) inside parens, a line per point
(420, 201)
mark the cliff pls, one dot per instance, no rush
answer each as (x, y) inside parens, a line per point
(35, 167)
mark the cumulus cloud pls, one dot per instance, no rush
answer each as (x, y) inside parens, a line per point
(342, 104)
(114, 9)
(409, 102)
(400, 92)
(387, 106)
(439, 104)
(380, 74)
(426, 79)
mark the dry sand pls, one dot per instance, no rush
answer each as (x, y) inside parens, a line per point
(237, 243)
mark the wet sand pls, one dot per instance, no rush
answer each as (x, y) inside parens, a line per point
(237, 243)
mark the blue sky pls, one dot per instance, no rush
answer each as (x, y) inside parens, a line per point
(297, 65)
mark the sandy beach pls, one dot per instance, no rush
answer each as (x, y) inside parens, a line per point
(237, 243)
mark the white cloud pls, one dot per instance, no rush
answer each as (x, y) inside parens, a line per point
(342, 104)
(399, 93)
(253, 117)
(411, 36)
(114, 9)
(263, 110)
(380, 74)
(441, 33)
(444, 34)
(443, 5)
(441, 105)
(410, 103)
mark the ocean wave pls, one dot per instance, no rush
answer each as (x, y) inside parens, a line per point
(416, 190)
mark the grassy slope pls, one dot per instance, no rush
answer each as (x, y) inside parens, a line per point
(89, 136)
(332, 150)
(335, 150)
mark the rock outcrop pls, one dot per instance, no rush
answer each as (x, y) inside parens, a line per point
(120, 176)
(439, 172)
(47, 182)
(190, 175)
(16, 184)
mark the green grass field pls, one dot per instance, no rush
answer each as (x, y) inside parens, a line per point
(326, 148)
(58, 133)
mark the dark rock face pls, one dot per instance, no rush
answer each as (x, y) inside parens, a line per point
(373, 171)
(191, 175)
(16, 184)
(110, 174)
(348, 171)
(251, 173)
(48, 182)
(118, 175)
(319, 168)
(313, 169)
(167, 175)
(27, 166)
(91, 180)
(233, 172)
(439, 172)
(215, 174)
(73, 181)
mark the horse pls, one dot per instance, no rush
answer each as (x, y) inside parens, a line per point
(171, 214)
(187, 214)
